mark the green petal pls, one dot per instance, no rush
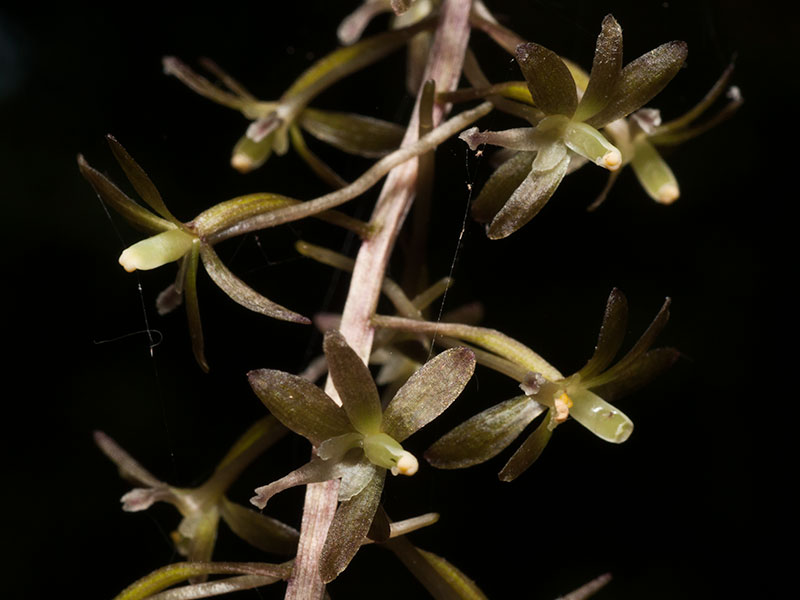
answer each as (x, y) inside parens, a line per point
(527, 453)
(171, 574)
(612, 333)
(599, 417)
(350, 526)
(241, 293)
(428, 392)
(606, 68)
(485, 435)
(442, 580)
(355, 134)
(527, 200)
(140, 181)
(501, 185)
(193, 307)
(109, 193)
(549, 80)
(640, 81)
(259, 530)
(299, 405)
(356, 473)
(654, 173)
(353, 381)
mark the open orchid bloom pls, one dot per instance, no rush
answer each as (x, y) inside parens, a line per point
(583, 395)
(172, 240)
(358, 441)
(203, 507)
(566, 134)
(276, 124)
(639, 136)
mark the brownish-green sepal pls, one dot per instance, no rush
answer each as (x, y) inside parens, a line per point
(638, 373)
(380, 529)
(355, 134)
(527, 200)
(640, 81)
(483, 436)
(243, 294)
(641, 346)
(527, 453)
(499, 187)
(350, 526)
(460, 586)
(139, 179)
(353, 381)
(259, 530)
(136, 215)
(193, 307)
(606, 68)
(612, 333)
(428, 392)
(549, 80)
(299, 404)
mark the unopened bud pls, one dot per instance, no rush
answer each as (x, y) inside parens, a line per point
(155, 251)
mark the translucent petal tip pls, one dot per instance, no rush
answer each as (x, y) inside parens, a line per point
(668, 193)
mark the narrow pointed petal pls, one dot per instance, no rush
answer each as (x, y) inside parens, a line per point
(644, 343)
(442, 580)
(585, 140)
(193, 307)
(201, 85)
(320, 167)
(128, 466)
(259, 530)
(312, 472)
(351, 133)
(598, 416)
(549, 80)
(589, 589)
(299, 405)
(353, 381)
(156, 251)
(139, 179)
(218, 587)
(641, 80)
(109, 193)
(612, 333)
(636, 374)
(606, 68)
(499, 187)
(354, 24)
(241, 293)
(527, 453)
(428, 392)
(526, 201)
(171, 574)
(686, 119)
(485, 435)
(350, 526)
(654, 173)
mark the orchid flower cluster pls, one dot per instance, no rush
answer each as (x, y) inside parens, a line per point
(357, 423)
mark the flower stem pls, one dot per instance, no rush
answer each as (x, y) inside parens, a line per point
(444, 67)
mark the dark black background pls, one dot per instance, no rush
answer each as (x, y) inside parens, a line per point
(689, 507)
